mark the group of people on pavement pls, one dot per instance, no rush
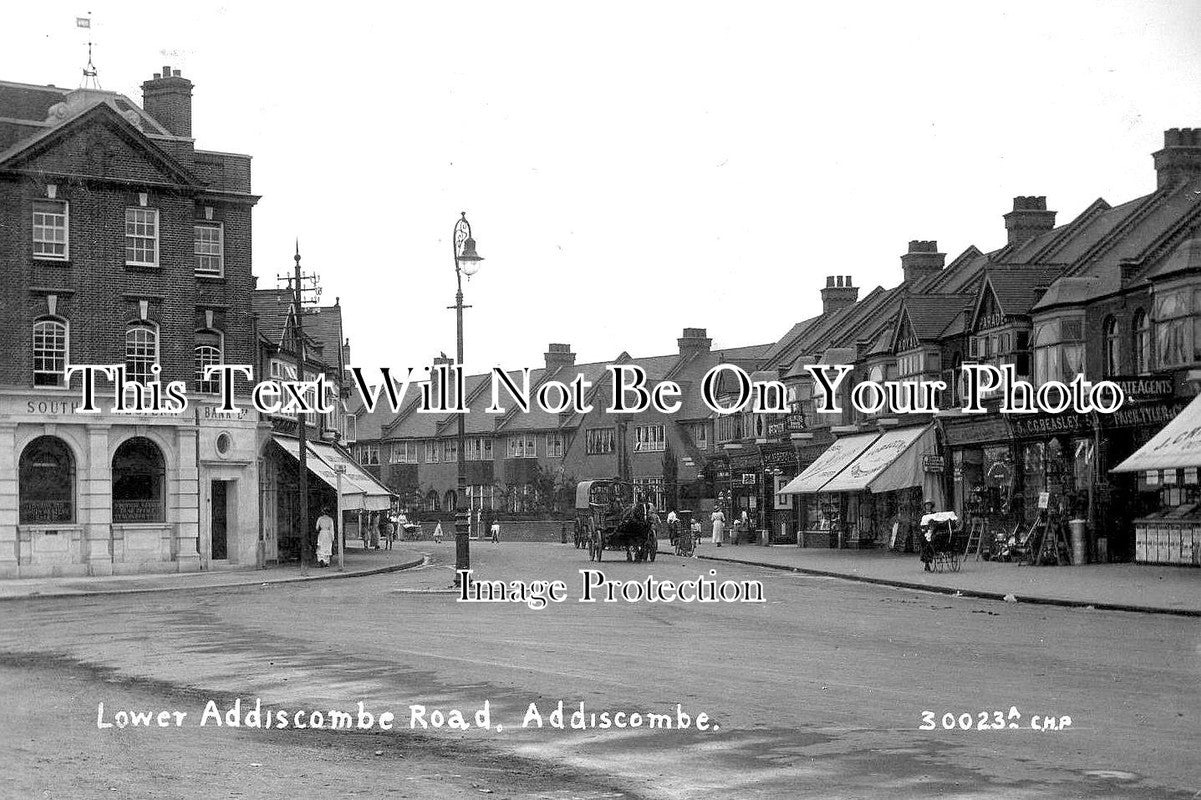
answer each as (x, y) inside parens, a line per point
(742, 525)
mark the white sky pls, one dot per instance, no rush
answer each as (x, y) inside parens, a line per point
(631, 168)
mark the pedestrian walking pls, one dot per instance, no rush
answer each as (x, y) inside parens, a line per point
(696, 535)
(719, 525)
(746, 526)
(673, 527)
(389, 533)
(495, 532)
(377, 531)
(739, 526)
(325, 538)
(438, 533)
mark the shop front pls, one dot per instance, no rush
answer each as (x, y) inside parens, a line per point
(884, 488)
(364, 501)
(1168, 531)
(822, 515)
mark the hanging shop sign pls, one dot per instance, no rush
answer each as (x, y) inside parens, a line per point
(786, 425)
(749, 479)
(933, 463)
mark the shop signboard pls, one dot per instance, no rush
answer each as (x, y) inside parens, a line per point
(779, 456)
(1143, 388)
(1151, 414)
(976, 430)
(933, 463)
(1039, 425)
(748, 479)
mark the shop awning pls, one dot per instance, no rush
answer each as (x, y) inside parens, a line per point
(1177, 446)
(831, 462)
(893, 461)
(359, 489)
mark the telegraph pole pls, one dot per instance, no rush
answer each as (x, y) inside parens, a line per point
(296, 283)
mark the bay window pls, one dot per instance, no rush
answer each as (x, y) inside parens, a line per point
(1058, 350)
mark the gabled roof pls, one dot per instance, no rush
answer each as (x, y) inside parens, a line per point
(1016, 289)
(26, 152)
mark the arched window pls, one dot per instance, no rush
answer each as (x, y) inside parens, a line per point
(431, 501)
(449, 501)
(141, 351)
(49, 351)
(208, 353)
(46, 476)
(139, 482)
(1109, 329)
(1141, 329)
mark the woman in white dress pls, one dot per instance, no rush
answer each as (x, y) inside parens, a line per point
(719, 525)
(325, 538)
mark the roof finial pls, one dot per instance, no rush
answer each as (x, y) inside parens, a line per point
(297, 256)
(90, 73)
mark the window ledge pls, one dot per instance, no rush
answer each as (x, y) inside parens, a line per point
(51, 262)
(143, 267)
(200, 276)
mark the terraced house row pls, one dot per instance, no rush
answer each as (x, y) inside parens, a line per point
(1112, 292)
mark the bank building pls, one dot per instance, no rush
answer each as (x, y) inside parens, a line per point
(122, 243)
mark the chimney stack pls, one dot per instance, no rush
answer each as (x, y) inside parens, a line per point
(1028, 219)
(435, 379)
(167, 97)
(694, 341)
(558, 356)
(1180, 159)
(838, 294)
(922, 261)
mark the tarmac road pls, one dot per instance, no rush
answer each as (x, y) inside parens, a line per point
(817, 692)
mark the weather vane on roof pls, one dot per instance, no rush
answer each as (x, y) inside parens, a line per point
(89, 72)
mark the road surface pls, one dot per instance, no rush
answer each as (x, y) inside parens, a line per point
(820, 691)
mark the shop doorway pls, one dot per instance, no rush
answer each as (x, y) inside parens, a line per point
(219, 520)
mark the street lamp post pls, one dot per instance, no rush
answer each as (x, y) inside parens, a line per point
(467, 261)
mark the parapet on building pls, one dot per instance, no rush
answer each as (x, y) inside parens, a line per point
(122, 243)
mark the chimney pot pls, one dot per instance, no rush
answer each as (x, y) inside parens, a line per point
(848, 283)
(829, 280)
(176, 73)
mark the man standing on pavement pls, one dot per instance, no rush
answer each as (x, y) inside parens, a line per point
(495, 532)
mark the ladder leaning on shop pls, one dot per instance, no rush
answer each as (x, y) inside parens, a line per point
(975, 536)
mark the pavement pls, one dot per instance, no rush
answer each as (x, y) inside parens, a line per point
(358, 563)
(1117, 587)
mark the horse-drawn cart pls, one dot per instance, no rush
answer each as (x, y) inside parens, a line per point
(609, 517)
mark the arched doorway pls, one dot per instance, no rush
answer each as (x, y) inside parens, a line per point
(46, 482)
(139, 482)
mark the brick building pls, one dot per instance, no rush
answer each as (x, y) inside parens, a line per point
(527, 464)
(123, 244)
(1111, 294)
